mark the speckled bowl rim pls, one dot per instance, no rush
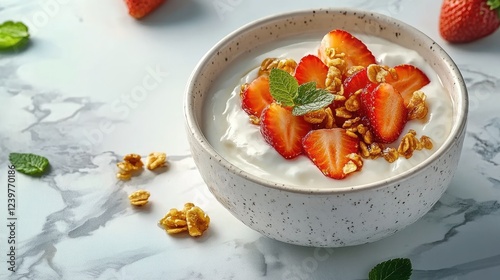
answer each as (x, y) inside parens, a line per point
(459, 114)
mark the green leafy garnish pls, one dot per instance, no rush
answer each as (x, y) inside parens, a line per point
(13, 34)
(29, 164)
(304, 98)
(395, 269)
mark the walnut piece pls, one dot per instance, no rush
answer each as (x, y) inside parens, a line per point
(408, 144)
(156, 160)
(352, 103)
(390, 154)
(254, 120)
(329, 121)
(417, 107)
(315, 117)
(191, 219)
(197, 221)
(139, 198)
(352, 70)
(426, 142)
(130, 164)
(376, 73)
(243, 88)
(286, 64)
(342, 112)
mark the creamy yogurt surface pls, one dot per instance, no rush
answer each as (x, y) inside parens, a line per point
(229, 131)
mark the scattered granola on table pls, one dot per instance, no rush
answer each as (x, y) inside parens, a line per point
(139, 198)
(191, 219)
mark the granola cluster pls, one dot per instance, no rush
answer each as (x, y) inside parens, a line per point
(345, 115)
(286, 64)
(191, 219)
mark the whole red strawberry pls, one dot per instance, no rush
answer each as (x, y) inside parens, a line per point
(463, 21)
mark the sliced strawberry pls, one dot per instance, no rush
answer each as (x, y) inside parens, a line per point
(355, 82)
(140, 8)
(257, 96)
(357, 54)
(283, 131)
(384, 111)
(311, 69)
(410, 79)
(328, 150)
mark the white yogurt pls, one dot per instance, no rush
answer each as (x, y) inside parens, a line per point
(229, 131)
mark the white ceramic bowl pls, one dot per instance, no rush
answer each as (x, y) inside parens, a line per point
(324, 217)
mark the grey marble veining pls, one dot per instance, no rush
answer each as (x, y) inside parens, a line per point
(76, 222)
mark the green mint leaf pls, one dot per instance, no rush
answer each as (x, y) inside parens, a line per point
(304, 89)
(310, 98)
(29, 164)
(320, 102)
(395, 269)
(13, 34)
(283, 87)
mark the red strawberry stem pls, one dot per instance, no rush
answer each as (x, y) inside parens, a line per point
(494, 6)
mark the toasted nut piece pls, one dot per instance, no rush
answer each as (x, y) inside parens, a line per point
(333, 80)
(191, 219)
(343, 113)
(123, 176)
(139, 198)
(390, 154)
(174, 219)
(286, 64)
(356, 158)
(135, 160)
(329, 119)
(156, 160)
(351, 122)
(315, 117)
(417, 107)
(351, 133)
(130, 164)
(408, 144)
(363, 148)
(349, 167)
(243, 87)
(125, 167)
(376, 73)
(352, 103)
(426, 142)
(254, 120)
(352, 70)
(176, 230)
(375, 150)
(197, 221)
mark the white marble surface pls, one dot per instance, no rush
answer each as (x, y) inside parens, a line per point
(68, 96)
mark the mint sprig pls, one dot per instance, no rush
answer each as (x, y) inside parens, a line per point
(305, 98)
(29, 164)
(395, 269)
(13, 34)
